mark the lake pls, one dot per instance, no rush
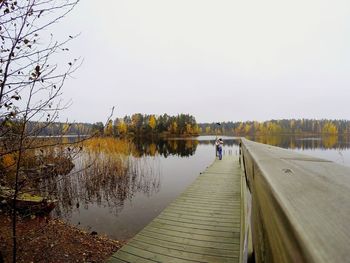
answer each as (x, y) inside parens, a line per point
(119, 202)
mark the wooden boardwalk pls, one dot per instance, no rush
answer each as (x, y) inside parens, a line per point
(201, 225)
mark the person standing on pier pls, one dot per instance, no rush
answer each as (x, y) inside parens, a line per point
(219, 143)
(216, 147)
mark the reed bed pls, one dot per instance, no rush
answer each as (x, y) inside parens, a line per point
(106, 174)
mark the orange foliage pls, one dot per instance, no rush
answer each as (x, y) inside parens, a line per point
(8, 160)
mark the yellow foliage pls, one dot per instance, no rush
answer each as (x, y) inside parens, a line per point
(330, 128)
(8, 160)
(173, 144)
(173, 127)
(108, 145)
(247, 128)
(65, 128)
(330, 141)
(152, 122)
(188, 128)
(122, 128)
(196, 130)
(152, 149)
(190, 144)
(107, 155)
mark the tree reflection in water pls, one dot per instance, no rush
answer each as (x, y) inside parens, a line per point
(110, 171)
(178, 147)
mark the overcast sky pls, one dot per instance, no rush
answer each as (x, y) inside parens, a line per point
(218, 60)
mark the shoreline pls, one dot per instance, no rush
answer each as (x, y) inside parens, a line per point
(44, 239)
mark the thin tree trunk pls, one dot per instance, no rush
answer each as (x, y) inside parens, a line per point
(14, 207)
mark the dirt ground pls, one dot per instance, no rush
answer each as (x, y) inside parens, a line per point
(52, 240)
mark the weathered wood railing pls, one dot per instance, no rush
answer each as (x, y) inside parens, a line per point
(297, 207)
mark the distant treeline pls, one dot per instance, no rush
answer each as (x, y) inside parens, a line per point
(143, 125)
(293, 126)
(34, 128)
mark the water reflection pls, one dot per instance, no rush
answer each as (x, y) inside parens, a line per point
(165, 148)
(297, 142)
(118, 186)
(104, 189)
(110, 171)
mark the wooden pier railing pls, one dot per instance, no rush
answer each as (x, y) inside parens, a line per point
(300, 206)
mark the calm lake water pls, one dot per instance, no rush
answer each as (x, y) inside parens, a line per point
(159, 172)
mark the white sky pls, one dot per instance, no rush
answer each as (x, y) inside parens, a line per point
(218, 60)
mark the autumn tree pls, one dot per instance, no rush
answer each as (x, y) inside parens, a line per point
(30, 81)
(152, 122)
(188, 128)
(137, 122)
(173, 128)
(122, 128)
(330, 128)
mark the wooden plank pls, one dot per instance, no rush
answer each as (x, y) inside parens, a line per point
(131, 258)
(194, 247)
(228, 212)
(153, 256)
(204, 222)
(116, 260)
(210, 198)
(191, 238)
(201, 202)
(212, 190)
(205, 207)
(176, 215)
(203, 213)
(202, 225)
(216, 228)
(179, 254)
(213, 197)
(225, 237)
